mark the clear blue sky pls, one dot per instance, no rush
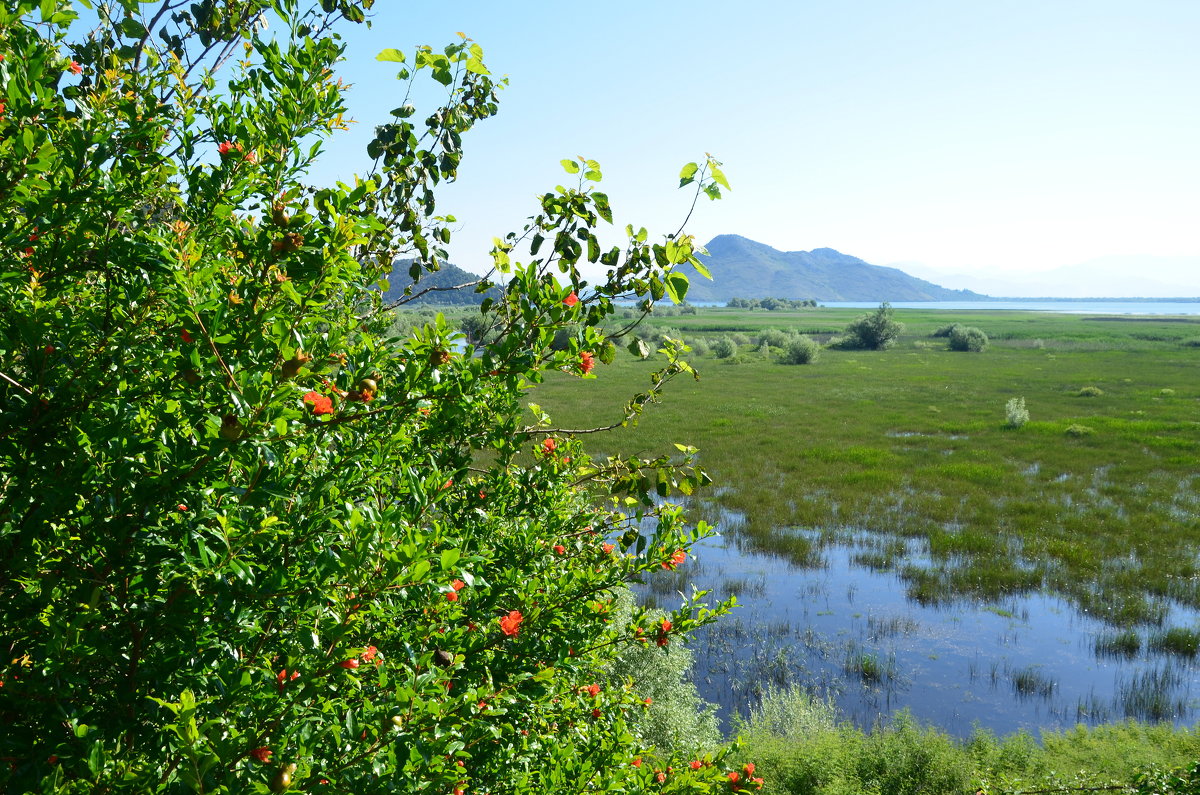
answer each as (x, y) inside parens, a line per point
(966, 136)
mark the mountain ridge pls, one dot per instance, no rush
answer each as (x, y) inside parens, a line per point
(745, 268)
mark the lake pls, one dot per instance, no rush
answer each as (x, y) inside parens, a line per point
(1108, 307)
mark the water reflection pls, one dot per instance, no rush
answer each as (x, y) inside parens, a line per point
(844, 623)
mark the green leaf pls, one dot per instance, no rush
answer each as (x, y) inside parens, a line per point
(449, 558)
(602, 206)
(476, 66)
(677, 286)
(392, 55)
(570, 166)
(639, 349)
(718, 176)
(688, 174)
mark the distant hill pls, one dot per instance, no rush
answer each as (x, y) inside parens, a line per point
(449, 276)
(743, 268)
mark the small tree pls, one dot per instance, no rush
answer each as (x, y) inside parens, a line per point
(875, 331)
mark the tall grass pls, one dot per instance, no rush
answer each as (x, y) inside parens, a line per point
(801, 747)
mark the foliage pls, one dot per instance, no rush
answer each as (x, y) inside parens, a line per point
(1168, 782)
(968, 338)
(1078, 431)
(1015, 413)
(874, 331)
(1090, 391)
(252, 540)
(774, 337)
(674, 718)
(946, 330)
(802, 350)
(724, 347)
(771, 304)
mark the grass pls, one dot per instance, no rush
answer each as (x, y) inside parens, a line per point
(1094, 499)
(799, 745)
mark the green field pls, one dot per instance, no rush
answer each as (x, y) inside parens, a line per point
(1097, 498)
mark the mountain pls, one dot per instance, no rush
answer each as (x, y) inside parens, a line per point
(743, 268)
(442, 281)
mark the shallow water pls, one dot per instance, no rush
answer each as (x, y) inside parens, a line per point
(851, 631)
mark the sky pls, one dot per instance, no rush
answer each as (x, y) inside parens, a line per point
(986, 140)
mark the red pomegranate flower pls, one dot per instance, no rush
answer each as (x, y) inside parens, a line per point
(679, 556)
(320, 403)
(586, 362)
(263, 755)
(349, 664)
(549, 446)
(571, 299)
(75, 67)
(511, 624)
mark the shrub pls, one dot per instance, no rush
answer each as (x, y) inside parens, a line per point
(968, 338)
(248, 540)
(1014, 412)
(1190, 342)
(774, 337)
(802, 350)
(946, 331)
(1078, 431)
(1090, 391)
(874, 331)
(724, 347)
(676, 720)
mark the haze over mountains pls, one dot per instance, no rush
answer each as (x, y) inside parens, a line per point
(1116, 276)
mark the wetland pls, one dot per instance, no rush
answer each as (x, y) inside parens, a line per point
(895, 542)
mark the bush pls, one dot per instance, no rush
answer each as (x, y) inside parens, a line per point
(873, 332)
(724, 347)
(1014, 412)
(1078, 431)
(774, 337)
(968, 338)
(802, 350)
(1090, 391)
(248, 540)
(946, 331)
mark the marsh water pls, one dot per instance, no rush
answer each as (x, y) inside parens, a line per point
(850, 632)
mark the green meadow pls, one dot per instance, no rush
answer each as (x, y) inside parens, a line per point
(1096, 498)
